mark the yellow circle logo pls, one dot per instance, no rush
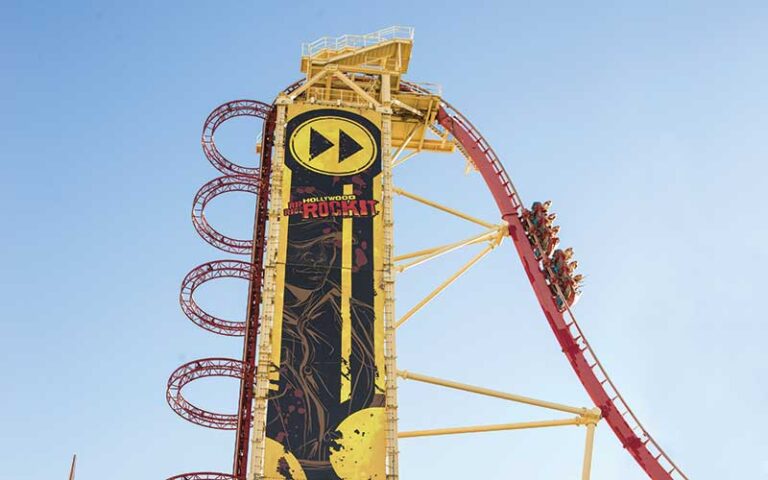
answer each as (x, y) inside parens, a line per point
(333, 146)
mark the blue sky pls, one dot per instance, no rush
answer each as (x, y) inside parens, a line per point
(644, 122)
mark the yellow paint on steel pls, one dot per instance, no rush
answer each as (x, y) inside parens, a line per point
(428, 251)
(431, 253)
(271, 267)
(404, 143)
(405, 106)
(491, 428)
(443, 208)
(587, 468)
(407, 157)
(316, 78)
(434, 293)
(390, 339)
(356, 88)
(581, 411)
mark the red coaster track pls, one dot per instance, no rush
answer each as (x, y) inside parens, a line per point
(189, 372)
(205, 273)
(211, 190)
(203, 476)
(236, 178)
(222, 113)
(630, 432)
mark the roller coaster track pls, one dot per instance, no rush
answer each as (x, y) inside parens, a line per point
(236, 178)
(187, 373)
(204, 476)
(624, 423)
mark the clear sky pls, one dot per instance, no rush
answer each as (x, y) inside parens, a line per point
(645, 122)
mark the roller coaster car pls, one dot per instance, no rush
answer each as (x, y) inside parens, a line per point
(542, 235)
(562, 278)
(572, 296)
(538, 223)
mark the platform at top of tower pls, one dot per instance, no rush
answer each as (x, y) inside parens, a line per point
(385, 51)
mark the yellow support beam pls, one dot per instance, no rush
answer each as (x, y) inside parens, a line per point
(434, 293)
(318, 76)
(425, 144)
(591, 414)
(448, 247)
(404, 144)
(440, 253)
(272, 267)
(410, 155)
(443, 208)
(587, 467)
(492, 428)
(405, 106)
(388, 273)
(356, 88)
(586, 416)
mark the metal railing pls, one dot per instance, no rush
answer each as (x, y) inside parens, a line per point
(356, 41)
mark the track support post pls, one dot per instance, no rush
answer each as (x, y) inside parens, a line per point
(390, 349)
(585, 416)
(587, 468)
(258, 438)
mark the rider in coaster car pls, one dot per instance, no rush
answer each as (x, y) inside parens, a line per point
(550, 241)
(572, 266)
(531, 221)
(568, 283)
(559, 300)
(576, 293)
(572, 290)
(544, 225)
(559, 259)
(539, 212)
(566, 272)
(541, 229)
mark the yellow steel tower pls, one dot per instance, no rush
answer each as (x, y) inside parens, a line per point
(348, 115)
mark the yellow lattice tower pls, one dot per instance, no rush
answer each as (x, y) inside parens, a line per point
(358, 72)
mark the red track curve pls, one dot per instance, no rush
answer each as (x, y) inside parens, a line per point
(222, 113)
(209, 191)
(194, 370)
(202, 274)
(244, 179)
(245, 413)
(630, 432)
(203, 476)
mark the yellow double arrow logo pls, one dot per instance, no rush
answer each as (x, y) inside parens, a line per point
(333, 146)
